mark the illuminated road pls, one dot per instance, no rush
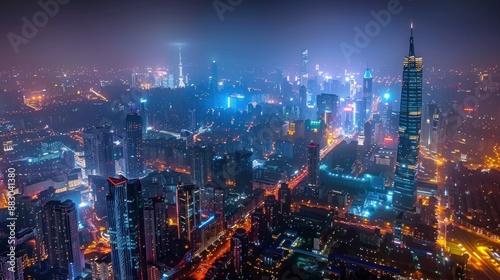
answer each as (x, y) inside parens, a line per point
(483, 265)
(302, 174)
(201, 269)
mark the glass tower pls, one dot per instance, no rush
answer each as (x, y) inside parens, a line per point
(405, 190)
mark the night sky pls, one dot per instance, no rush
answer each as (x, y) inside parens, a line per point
(124, 33)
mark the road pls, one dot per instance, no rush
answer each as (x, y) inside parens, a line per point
(481, 264)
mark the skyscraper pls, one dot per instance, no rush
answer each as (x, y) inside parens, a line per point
(284, 201)
(271, 211)
(188, 210)
(125, 206)
(258, 228)
(143, 112)
(98, 148)
(367, 95)
(328, 110)
(155, 228)
(304, 76)
(214, 78)
(61, 237)
(409, 132)
(201, 158)
(133, 146)
(313, 169)
(239, 250)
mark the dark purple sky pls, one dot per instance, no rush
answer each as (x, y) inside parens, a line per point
(110, 33)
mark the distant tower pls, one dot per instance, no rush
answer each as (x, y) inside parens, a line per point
(125, 206)
(181, 77)
(214, 79)
(405, 189)
(367, 95)
(61, 237)
(98, 147)
(313, 168)
(304, 76)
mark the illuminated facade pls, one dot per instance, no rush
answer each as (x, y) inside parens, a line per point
(133, 146)
(125, 206)
(405, 190)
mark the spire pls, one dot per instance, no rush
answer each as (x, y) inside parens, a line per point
(412, 47)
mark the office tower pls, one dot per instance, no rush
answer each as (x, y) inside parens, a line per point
(155, 228)
(181, 77)
(32, 217)
(217, 172)
(367, 94)
(214, 78)
(313, 168)
(61, 237)
(304, 76)
(125, 206)
(188, 210)
(239, 251)
(405, 189)
(99, 186)
(98, 148)
(431, 123)
(201, 158)
(368, 132)
(327, 105)
(239, 168)
(143, 112)
(133, 146)
(279, 78)
(271, 211)
(258, 228)
(284, 201)
(302, 102)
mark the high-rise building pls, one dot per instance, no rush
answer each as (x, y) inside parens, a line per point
(188, 210)
(367, 95)
(125, 204)
(32, 217)
(238, 171)
(284, 201)
(368, 132)
(304, 75)
(214, 78)
(61, 237)
(271, 211)
(134, 161)
(328, 109)
(155, 228)
(143, 112)
(239, 251)
(98, 148)
(313, 169)
(431, 125)
(201, 159)
(302, 102)
(258, 228)
(405, 190)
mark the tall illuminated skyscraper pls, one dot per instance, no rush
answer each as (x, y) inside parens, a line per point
(134, 162)
(214, 78)
(304, 76)
(367, 95)
(61, 237)
(125, 206)
(188, 210)
(405, 190)
(98, 147)
(313, 168)
(239, 250)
